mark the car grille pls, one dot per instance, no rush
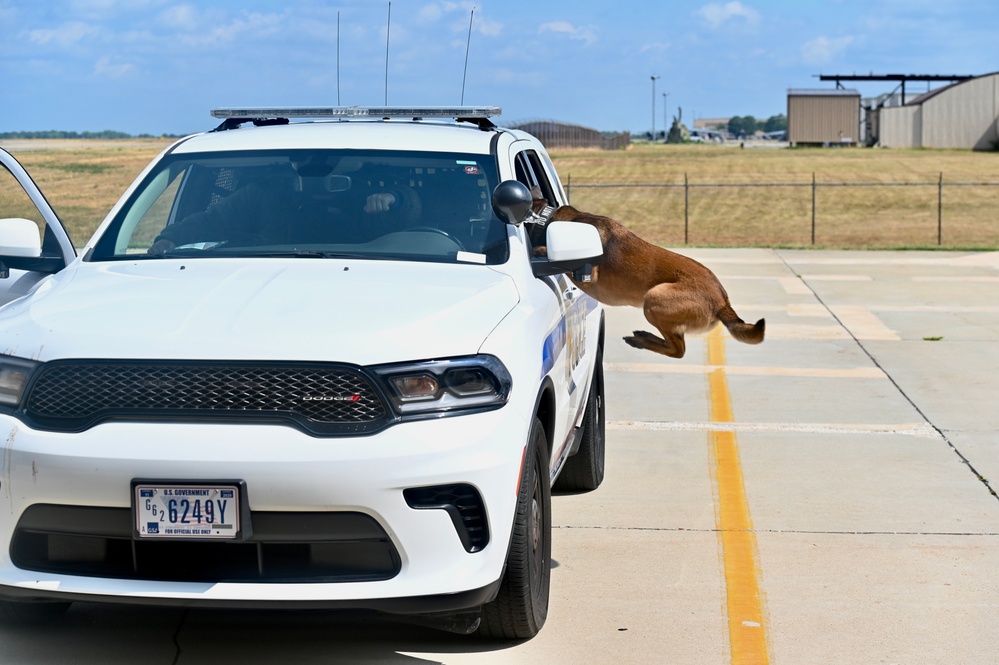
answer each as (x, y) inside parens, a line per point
(321, 399)
(285, 547)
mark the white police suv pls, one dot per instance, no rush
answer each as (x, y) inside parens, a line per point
(311, 359)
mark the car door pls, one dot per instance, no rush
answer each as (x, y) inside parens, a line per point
(20, 199)
(571, 348)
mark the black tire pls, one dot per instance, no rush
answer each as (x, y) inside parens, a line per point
(521, 607)
(584, 471)
(13, 611)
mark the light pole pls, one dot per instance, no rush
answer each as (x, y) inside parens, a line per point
(665, 106)
(654, 77)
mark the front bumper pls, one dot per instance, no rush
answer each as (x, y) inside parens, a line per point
(421, 562)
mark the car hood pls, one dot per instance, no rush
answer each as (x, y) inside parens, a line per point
(362, 312)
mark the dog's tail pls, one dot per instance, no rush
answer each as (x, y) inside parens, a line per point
(750, 333)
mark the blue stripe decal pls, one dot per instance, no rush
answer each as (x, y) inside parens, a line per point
(553, 346)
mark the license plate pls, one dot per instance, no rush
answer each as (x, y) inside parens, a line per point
(186, 511)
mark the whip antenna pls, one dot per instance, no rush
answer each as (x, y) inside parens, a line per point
(388, 30)
(338, 58)
(468, 44)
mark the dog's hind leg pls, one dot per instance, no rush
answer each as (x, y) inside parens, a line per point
(673, 345)
(673, 309)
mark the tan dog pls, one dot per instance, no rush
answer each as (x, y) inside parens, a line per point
(677, 293)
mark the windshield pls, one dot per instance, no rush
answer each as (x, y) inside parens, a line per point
(419, 206)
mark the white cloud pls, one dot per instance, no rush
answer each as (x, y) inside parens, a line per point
(184, 17)
(65, 35)
(656, 47)
(717, 14)
(434, 12)
(822, 50)
(252, 24)
(430, 13)
(587, 35)
(105, 68)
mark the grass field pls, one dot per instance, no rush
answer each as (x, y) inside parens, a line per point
(82, 180)
(860, 216)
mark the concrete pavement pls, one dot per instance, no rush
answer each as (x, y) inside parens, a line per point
(859, 443)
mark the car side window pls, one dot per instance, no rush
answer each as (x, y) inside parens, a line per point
(531, 173)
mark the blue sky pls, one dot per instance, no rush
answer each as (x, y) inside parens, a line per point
(158, 66)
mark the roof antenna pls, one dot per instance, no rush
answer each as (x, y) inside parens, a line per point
(468, 44)
(388, 30)
(338, 58)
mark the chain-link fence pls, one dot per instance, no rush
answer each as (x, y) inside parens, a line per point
(938, 213)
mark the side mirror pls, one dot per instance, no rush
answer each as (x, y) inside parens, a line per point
(512, 201)
(19, 238)
(572, 247)
(21, 248)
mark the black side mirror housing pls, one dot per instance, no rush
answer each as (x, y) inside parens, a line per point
(512, 201)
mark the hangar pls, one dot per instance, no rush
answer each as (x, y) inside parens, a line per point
(960, 115)
(823, 117)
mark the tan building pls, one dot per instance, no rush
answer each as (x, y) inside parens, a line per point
(961, 115)
(823, 117)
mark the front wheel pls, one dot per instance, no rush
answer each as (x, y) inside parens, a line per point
(584, 471)
(521, 607)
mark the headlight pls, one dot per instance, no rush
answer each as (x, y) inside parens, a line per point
(14, 375)
(444, 386)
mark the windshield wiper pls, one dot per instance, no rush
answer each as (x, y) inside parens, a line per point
(303, 254)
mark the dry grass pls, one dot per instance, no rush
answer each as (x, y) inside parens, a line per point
(83, 180)
(851, 216)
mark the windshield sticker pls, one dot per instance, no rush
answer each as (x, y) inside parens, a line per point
(472, 170)
(471, 257)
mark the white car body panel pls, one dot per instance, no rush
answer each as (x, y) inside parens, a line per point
(543, 330)
(362, 312)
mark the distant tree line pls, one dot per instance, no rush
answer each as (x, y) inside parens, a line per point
(57, 134)
(747, 125)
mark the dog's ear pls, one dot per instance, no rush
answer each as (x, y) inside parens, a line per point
(538, 200)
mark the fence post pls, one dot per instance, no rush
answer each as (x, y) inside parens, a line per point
(568, 189)
(813, 207)
(686, 208)
(940, 210)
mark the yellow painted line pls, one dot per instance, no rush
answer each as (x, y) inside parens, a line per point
(750, 370)
(747, 628)
(863, 323)
(987, 279)
(919, 430)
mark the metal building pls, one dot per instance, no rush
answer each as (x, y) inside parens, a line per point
(962, 115)
(823, 117)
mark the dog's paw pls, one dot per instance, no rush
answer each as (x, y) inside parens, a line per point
(646, 335)
(540, 251)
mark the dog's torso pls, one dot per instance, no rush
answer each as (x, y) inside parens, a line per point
(631, 267)
(677, 294)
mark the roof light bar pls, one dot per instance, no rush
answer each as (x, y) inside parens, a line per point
(358, 112)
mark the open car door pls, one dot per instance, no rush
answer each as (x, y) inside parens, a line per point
(33, 242)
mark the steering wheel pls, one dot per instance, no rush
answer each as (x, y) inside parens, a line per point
(434, 229)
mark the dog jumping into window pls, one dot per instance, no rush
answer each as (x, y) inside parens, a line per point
(678, 294)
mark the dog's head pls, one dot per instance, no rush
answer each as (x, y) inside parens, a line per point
(538, 200)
